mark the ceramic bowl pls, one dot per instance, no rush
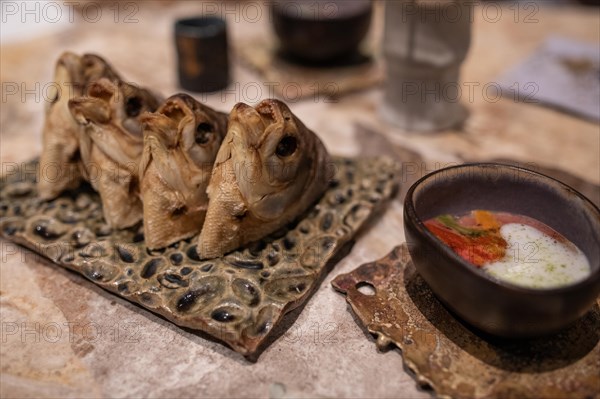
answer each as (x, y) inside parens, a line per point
(491, 305)
(318, 31)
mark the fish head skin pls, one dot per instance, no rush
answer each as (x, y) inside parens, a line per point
(68, 83)
(73, 76)
(200, 129)
(125, 103)
(95, 68)
(181, 141)
(128, 103)
(269, 170)
(183, 137)
(110, 116)
(60, 134)
(274, 156)
(121, 105)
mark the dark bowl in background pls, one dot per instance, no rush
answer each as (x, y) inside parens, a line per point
(320, 31)
(491, 305)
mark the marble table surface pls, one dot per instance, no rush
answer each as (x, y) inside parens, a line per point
(64, 337)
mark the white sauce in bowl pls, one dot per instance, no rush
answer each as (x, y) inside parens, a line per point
(536, 260)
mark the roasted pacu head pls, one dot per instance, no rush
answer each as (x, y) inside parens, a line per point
(111, 144)
(59, 161)
(269, 169)
(181, 141)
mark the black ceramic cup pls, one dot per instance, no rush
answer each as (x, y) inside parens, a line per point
(492, 305)
(202, 53)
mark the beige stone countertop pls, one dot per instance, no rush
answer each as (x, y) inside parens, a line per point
(64, 337)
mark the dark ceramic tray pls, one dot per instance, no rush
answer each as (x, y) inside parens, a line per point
(237, 299)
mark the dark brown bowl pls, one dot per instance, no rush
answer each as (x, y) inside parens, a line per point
(491, 305)
(318, 31)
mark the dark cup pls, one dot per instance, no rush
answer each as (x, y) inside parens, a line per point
(202, 53)
(321, 31)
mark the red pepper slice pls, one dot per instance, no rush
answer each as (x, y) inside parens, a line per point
(477, 249)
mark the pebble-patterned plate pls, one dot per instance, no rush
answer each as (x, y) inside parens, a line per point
(237, 299)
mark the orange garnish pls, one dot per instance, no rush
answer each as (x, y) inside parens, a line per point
(486, 220)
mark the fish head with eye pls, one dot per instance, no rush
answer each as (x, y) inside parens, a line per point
(269, 170)
(181, 141)
(274, 156)
(184, 123)
(119, 104)
(110, 114)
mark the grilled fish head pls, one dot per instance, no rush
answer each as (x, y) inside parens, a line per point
(110, 115)
(111, 144)
(270, 168)
(59, 161)
(188, 126)
(181, 140)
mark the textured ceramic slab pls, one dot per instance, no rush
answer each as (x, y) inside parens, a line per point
(237, 299)
(456, 361)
